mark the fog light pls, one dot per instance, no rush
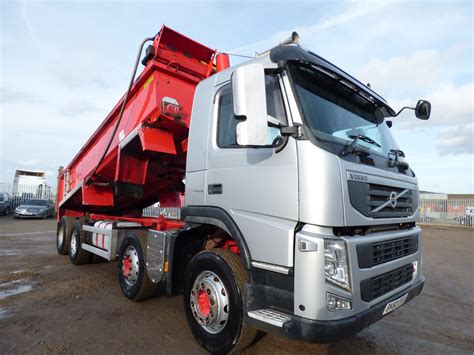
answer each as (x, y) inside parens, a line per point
(415, 267)
(336, 303)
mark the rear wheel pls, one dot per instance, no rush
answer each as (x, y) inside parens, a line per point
(77, 255)
(133, 278)
(213, 301)
(63, 237)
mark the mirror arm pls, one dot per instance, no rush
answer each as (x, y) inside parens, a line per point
(404, 108)
(291, 131)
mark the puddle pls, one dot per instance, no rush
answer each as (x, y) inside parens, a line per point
(8, 252)
(4, 313)
(16, 287)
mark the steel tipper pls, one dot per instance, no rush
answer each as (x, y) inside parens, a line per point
(299, 212)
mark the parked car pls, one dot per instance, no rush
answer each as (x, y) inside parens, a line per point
(5, 202)
(38, 208)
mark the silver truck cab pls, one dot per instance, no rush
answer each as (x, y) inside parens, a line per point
(294, 158)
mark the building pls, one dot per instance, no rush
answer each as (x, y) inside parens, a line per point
(29, 184)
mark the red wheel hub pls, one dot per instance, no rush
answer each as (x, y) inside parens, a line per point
(204, 303)
(127, 266)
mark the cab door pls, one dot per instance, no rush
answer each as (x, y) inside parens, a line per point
(257, 187)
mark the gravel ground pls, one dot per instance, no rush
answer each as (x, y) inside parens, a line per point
(48, 305)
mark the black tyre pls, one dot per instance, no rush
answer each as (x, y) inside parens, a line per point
(213, 301)
(77, 255)
(63, 237)
(133, 278)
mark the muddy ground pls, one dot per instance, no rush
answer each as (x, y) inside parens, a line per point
(48, 305)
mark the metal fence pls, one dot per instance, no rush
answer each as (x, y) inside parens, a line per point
(446, 211)
(14, 195)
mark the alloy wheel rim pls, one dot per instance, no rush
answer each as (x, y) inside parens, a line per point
(130, 265)
(60, 237)
(209, 302)
(74, 243)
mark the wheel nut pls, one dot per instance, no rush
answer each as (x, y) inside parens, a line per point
(208, 291)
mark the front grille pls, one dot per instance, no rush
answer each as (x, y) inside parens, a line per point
(381, 201)
(371, 254)
(380, 285)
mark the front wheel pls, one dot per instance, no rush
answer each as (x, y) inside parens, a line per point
(213, 301)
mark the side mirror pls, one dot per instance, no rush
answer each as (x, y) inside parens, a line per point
(423, 109)
(250, 105)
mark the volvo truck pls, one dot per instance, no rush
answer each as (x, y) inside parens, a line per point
(297, 208)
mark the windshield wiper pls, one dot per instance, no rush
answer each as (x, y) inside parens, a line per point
(354, 148)
(365, 139)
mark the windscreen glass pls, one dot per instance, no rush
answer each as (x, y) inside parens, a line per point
(335, 112)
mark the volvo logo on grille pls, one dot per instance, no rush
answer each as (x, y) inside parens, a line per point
(392, 200)
(358, 177)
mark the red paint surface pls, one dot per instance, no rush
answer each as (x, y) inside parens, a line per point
(137, 174)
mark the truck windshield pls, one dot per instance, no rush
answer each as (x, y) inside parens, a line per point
(334, 112)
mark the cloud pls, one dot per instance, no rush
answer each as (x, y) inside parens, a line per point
(354, 10)
(418, 69)
(29, 162)
(9, 95)
(83, 78)
(450, 105)
(456, 140)
(75, 108)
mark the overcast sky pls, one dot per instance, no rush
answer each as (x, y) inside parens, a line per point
(64, 65)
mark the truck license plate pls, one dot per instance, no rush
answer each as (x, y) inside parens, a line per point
(391, 306)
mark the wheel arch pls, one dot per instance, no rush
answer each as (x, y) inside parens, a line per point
(218, 217)
(201, 222)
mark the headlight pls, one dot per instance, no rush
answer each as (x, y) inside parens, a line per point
(336, 267)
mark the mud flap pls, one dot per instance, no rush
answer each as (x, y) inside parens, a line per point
(156, 255)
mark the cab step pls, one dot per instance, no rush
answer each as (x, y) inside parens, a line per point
(271, 316)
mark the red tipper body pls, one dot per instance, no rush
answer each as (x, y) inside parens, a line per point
(145, 162)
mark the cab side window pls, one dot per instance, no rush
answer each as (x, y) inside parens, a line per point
(227, 123)
(275, 106)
